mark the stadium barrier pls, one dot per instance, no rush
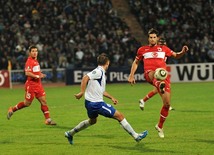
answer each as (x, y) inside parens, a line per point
(18, 76)
(178, 73)
(198, 72)
(5, 79)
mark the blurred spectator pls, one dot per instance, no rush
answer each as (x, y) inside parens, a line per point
(3, 63)
(210, 54)
(59, 28)
(179, 21)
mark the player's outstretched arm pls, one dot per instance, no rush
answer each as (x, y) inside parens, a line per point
(114, 100)
(134, 67)
(181, 53)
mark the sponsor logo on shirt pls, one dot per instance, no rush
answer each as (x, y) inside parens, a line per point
(36, 68)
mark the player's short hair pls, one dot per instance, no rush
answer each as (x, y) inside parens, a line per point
(31, 47)
(153, 31)
(102, 59)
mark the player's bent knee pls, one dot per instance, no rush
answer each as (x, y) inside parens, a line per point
(118, 116)
(167, 106)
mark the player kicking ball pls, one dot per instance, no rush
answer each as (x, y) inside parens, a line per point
(153, 92)
(93, 88)
(153, 57)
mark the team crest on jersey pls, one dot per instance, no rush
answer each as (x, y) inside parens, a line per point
(159, 49)
(93, 72)
(154, 54)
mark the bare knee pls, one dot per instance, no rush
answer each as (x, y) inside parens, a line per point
(118, 116)
(167, 105)
(27, 103)
(166, 100)
(42, 100)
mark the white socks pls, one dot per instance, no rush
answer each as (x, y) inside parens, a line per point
(81, 126)
(128, 128)
(84, 124)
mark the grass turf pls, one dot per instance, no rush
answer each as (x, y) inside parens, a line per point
(188, 129)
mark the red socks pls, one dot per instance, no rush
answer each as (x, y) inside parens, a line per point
(19, 106)
(163, 115)
(149, 95)
(45, 111)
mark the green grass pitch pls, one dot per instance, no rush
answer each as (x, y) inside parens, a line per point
(189, 129)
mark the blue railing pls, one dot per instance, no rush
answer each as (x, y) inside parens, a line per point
(52, 75)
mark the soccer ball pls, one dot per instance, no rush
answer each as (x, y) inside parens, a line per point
(160, 74)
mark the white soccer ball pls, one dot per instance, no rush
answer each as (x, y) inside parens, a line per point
(160, 74)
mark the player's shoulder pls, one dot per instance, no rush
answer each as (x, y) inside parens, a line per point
(143, 48)
(164, 47)
(96, 71)
(28, 61)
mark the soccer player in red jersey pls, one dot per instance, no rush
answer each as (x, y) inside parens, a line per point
(149, 95)
(153, 57)
(33, 87)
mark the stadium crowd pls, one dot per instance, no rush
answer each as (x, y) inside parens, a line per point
(68, 33)
(181, 22)
(71, 33)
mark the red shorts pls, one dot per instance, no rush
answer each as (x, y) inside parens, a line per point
(167, 81)
(32, 91)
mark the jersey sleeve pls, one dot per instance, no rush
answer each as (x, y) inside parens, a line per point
(28, 67)
(139, 53)
(95, 74)
(168, 51)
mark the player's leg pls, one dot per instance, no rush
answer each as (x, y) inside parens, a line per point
(150, 94)
(128, 128)
(163, 113)
(29, 96)
(45, 110)
(81, 126)
(160, 85)
(147, 97)
(92, 114)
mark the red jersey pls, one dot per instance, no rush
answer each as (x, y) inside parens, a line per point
(153, 57)
(32, 65)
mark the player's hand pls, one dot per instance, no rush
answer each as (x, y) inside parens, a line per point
(42, 75)
(115, 101)
(185, 49)
(131, 80)
(79, 95)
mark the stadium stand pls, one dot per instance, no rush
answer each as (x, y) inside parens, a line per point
(71, 33)
(181, 22)
(68, 33)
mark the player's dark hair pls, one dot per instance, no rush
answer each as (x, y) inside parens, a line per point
(31, 47)
(153, 31)
(162, 41)
(102, 59)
